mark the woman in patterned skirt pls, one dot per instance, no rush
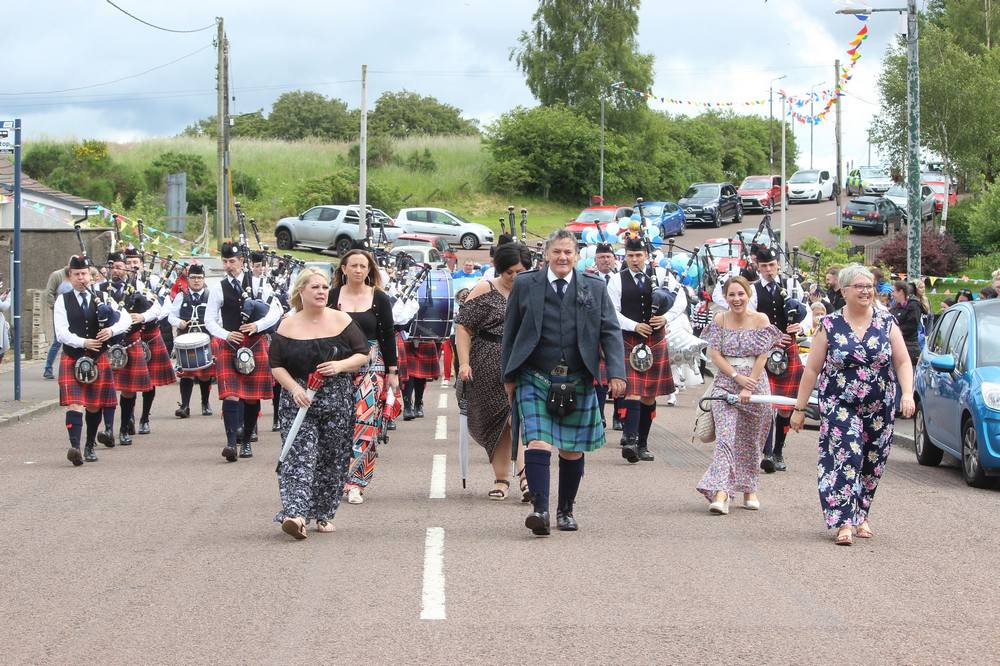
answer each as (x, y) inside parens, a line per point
(861, 360)
(315, 338)
(478, 332)
(739, 341)
(357, 291)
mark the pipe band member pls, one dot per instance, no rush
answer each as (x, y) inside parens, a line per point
(187, 314)
(77, 329)
(605, 265)
(558, 323)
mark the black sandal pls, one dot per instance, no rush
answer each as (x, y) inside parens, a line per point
(526, 495)
(499, 494)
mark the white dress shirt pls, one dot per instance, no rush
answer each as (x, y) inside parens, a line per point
(720, 299)
(615, 293)
(67, 337)
(553, 277)
(174, 317)
(213, 312)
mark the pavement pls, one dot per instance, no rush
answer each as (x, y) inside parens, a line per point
(37, 394)
(164, 553)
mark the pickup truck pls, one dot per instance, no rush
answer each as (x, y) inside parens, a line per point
(331, 228)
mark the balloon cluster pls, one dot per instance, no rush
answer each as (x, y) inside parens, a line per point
(615, 232)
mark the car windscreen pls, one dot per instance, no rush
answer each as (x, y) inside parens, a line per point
(897, 191)
(702, 192)
(805, 177)
(596, 216)
(936, 188)
(868, 172)
(861, 207)
(651, 211)
(725, 250)
(988, 337)
(756, 184)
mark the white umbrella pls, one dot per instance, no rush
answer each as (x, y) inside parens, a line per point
(313, 384)
(733, 398)
(463, 430)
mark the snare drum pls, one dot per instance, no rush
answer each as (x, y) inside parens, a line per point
(194, 351)
(436, 315)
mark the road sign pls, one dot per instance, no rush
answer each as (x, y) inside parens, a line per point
(6, 136)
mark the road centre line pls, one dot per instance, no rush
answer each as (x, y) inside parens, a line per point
(443, 401)
(441, 428)
(811, 219)
(831, 214)
(439, 469)
(432, 598)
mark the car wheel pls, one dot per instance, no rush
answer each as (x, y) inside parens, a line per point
(927, 454)
(739, 215)
(680, 232)
(284, 239)
(343, 245)
(819, 196)
(470, 242)
(718, 221)
(972, 471)
(885, 228)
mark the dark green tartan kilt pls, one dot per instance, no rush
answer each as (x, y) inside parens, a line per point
(581, 431)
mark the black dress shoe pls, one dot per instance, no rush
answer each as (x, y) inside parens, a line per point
(206, 410)
(274, 426)
(182, 412)
(779, 463)
(73, 455)
(408, 414)
(253, 435)
(645, 455)
(144, 427)
(565, 522)
(229, 453)
(48, 375)
(391, 425)
(767, 464)
(124, 438)
(616, 424)
(245, 450)
(88, 452)
(418, 410)
(107, 438)
(538, 523)
(630, 450)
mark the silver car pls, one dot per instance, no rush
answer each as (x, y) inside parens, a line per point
(440, 222)
(331, 228)
(898, 195)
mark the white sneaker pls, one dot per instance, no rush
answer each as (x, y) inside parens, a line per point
(444, 383)
(354, 496)
(672, 399)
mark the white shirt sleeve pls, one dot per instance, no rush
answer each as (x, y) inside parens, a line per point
(274, 310)
(174, 316)
(124, 322)
(63, 333)
(615, 294)
(153, 313)
(213, 313)
(680, 306)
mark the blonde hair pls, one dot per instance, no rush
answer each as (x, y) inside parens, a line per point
(301, 281)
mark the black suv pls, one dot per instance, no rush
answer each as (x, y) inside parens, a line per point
(877, 214)
(713, 203)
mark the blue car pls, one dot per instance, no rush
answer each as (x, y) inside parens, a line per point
(957, 390)
(667, 215)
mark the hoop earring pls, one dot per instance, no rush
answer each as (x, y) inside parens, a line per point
(368, 280)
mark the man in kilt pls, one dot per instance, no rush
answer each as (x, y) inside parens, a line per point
(559, 321)
(77, 328)
(161, 369)
(187, 314)
(240, 390)
(770, 297)
(631, 294)
(423, 363)
(604, 268)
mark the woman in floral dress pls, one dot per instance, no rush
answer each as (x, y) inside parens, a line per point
(861, 360)
(739, 340)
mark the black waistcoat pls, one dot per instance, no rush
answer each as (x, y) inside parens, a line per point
(81, 323)
(192, 308)
(636, 304)
(774, 308)
(232, 304)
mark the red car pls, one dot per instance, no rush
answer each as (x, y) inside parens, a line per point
(597, 216)
(759, 191)
(939, 186)
(726, 254)
(438, 242)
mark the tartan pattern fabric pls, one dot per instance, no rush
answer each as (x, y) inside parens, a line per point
(99, 394)
(582, 430)
(788, 384)
(401, 357)
(255, 386)
(369, 400)
(658, 380)
(161, 369)
(423, 360)
(134, 377)
(206, 374)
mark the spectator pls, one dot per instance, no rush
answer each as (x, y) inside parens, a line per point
(884, 300)
(964, 295)
(996, 279)
(920, 291)
(468, 270)
(987, 292)
(4, 326)
(833, 295)
(907, 312)
(947, 303)
(58, 283)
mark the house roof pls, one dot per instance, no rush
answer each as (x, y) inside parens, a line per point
(33, 186)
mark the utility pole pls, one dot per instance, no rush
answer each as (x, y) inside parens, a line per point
(363, 145)
(840, 157)
(784, 208)
(913, 142)
(221, 148)
(770, 122)
(601, 190)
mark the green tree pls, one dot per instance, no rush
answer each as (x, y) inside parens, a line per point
(41, 159)
(299, 115)
(341, 187)
(201, 186)
(86, 170)
(405, 113)
(577, 49)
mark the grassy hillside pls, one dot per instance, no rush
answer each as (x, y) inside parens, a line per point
(279, 166)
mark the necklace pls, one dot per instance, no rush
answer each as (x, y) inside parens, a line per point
(860, 327)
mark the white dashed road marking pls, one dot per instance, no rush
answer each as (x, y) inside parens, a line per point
(438, 471)
(443, 401)
(803, 221)
(432, 602)
(441, 429)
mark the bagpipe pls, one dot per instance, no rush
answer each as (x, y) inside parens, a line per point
(537, 252)
(253, 307)
(85, 367)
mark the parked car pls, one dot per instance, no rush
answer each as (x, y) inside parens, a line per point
(811, 185)
(872, 180)
(422, 254)
(597, 217)
(939, 185)
(437, 242)
(441, 222)
(330, 228)
(713, 203)
(756, 192)
(666, 215)
(873, 213)
(747, 237)
(957, 391)
(898, 195)
(726, 253)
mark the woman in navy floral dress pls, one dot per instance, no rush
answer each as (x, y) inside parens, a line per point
(861, 360)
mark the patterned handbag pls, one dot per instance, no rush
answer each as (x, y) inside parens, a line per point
(704, 425)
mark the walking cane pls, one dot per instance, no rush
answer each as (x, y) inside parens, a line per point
(313, 384)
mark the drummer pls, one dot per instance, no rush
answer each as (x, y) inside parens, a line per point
(187, 314)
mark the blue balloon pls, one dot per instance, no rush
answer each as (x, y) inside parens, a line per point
(656, 241)
(654, 231)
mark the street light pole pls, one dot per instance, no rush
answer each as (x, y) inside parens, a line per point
(770, 121)
(602, 149)
(812, 117)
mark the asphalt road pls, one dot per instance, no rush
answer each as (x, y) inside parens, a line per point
(164, 553)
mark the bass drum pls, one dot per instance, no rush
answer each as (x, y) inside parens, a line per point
(436, 314)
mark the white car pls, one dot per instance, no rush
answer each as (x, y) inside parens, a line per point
(331, 228)
(422, 254)
(441, 222)
(810, 185)
(899, 195)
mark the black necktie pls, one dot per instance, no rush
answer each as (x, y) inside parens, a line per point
(771, 288)
(236, 285)
(195, 297)
(640, 281)
(607, 277)
(561, 287)
(83, 302)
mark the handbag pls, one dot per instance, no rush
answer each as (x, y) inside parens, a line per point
(704, 424)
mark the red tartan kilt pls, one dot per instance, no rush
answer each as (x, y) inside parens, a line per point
(92, 396)
(656, 381)
(203, 375)
(401, 357)
(161, 369)
(255, 386)
(787, 385)
(134, 377)
(423, 359)
(602, 378)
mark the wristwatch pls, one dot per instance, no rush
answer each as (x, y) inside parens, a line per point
(734, 374)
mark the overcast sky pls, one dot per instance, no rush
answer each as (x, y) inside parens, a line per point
(455, 50)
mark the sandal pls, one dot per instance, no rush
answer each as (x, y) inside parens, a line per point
(325, 526)
(295, 527)
(864, 532)
(499, 494)
(844, 538)
(526, 495)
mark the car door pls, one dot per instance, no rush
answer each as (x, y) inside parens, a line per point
(327, 226)
(444, 225)
(951, 384)
(731, 201)
(418, 221)
(934, 406)
(306, 229)
(672, 219)
(825, 184)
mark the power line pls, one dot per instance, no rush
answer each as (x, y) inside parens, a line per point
(107, 83)
(153, 25)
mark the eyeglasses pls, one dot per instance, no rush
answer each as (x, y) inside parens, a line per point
(862, 287)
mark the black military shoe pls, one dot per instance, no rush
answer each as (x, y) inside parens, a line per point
(88, 452)
(391, 425)
(616, 424)
(182, 412)
(767, 464)
(73, 455)
(538, 523)
(779, 463)
(245, 450)
(418, 410)
(144, 427)
(229, 453)
(206, 410)
(630, 449)
(253, 435)
(408, 414)
(645, 455)
(274, 425)
(107, 438)
(565, 522)
(124, 438)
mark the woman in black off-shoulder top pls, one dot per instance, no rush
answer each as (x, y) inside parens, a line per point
(311, 479)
